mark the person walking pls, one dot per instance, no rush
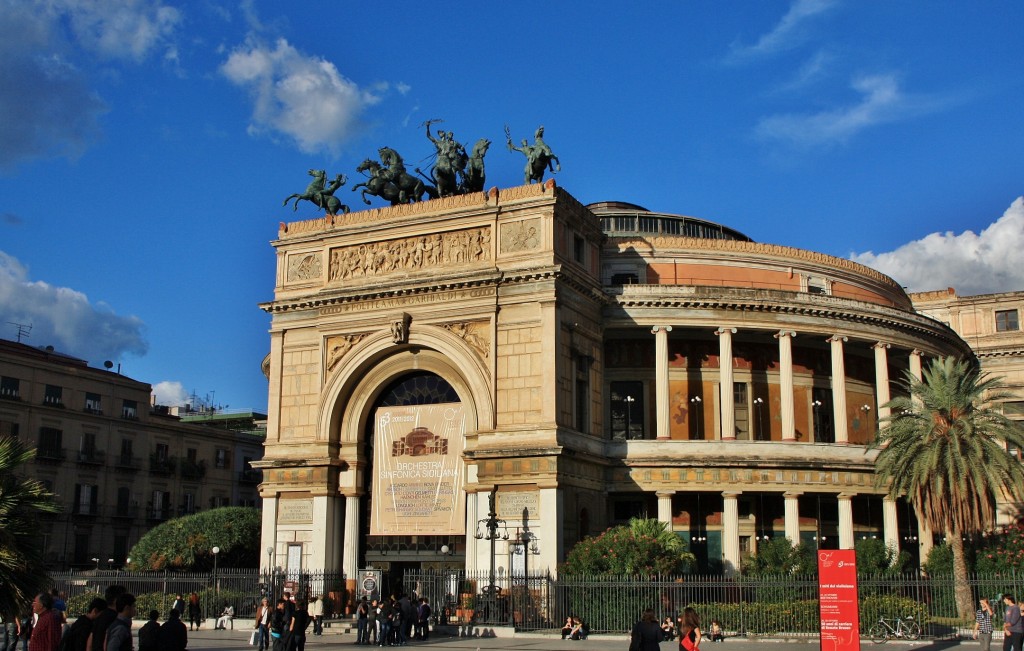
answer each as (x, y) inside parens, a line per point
(362, 621)
(646, 634)
(1013, 626)
(195, 612)
(173, 633)
(263, 615)
(297, 627)
(149, 634)
(316, 612)
(119, 633)
(46, 631)
(689, 630)
(983, 624)
(105, 618)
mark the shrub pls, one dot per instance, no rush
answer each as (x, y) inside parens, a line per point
(186, 543)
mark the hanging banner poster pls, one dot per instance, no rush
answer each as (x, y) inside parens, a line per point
(418, 472)
(837, 600)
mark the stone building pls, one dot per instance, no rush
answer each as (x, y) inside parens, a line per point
(117, 466)
(582, 365)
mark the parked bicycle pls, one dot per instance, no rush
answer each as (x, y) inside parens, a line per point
(900, 627)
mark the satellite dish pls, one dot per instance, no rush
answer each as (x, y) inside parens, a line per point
(108, 364)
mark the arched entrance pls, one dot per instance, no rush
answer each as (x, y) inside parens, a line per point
(406, 461)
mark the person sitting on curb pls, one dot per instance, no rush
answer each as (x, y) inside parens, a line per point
(226, 617)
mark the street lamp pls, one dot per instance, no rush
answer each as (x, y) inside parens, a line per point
(490, 526)
(698, 409)
(758, 403)
(215, 550)
(629, 413)
(97, 561)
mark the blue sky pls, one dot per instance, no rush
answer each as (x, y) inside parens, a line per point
(146, 146)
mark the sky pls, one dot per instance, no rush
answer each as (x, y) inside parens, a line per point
(146, 145)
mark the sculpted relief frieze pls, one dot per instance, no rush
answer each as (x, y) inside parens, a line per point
(306, 266)
(453, 248)
(474, 333)
(520, 236)
(338, 347)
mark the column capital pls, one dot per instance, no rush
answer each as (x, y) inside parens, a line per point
(917, 352)
(724, 330)
(792, 494)
(665, 493)
(665, 328)
(837, 338)
(732, 494)
(846, 496)
(881, 345)
(782, 334)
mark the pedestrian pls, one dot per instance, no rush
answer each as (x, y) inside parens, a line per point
(646, 634)
(25, 627)
(173, 633)
(316, 612)
(195, 612)
(119, 633)
(362, 621)
(423, 619)
(263, 615)
(297, 627)
(373, 623)
(277, 626)
(179, 605)
(1013, 626)
(149, 634)
(46, 631)
(716, 632)
(689, 630)
(983, 624)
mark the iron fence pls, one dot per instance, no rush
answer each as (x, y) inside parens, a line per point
(777, 606)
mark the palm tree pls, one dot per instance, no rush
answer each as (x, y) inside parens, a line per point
(22, 571)
(945, 448)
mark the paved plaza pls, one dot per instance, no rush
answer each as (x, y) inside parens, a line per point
(238, 639)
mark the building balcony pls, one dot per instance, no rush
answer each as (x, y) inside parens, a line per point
(125, 512)
(193, 470)
(250, 476)
(85, 510)
(187, 510)
(50, 453)
(127, 462)
(158, 515)
(95, 411)
(162, 466)
(53, 401)
(92, 457)
(9, 394)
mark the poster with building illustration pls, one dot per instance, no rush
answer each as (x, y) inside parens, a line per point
(418, 473)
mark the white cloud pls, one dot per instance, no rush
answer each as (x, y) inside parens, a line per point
(303, 97)
(120, 29)
(981, 263)
(170, 394)
(65, 319)
(787, 34)
(882, 101)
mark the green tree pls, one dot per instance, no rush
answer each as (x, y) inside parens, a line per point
(642, 548)
(779, 556)
(944, 448)
(22, 501)
(186, 543)
(874, 557)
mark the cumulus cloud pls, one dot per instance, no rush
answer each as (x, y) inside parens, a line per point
(65, 319)
(54, 111)
(788, 33)
(301, 96)
(972, 263)
(882, 101)
(170, 394)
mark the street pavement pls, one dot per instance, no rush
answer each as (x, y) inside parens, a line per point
(336, 640)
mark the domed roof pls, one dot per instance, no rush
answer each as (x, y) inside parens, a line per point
(622, 219)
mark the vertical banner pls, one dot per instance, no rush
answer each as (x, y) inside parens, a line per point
(418, 471)
(837, 600)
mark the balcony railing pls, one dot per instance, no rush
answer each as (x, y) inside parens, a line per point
(125, 512)
(162, 465)
(90, 510)
(95, 410)
(158, 515)
(50, 453)
(187, 510)
(53, 401)
(126, 462)
(92, 457)
(10, 394)
(193, 470)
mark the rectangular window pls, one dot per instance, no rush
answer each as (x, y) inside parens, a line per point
(821, 406)
(161, 505)
(1006, 321)
(579, 249)
(8, 428)
(188, 504)
(85, 499)
(130, 410)
(54, 396)
(582, 397)
(162, 452)
(741, 413)
(93, 404)
(191, 454)
(220, 458)
(51, 443)
(9, 388)
(627, 410)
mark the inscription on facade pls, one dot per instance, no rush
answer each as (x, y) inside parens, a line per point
(405, 301)
(511, 504)
(449, 249)
(295, 512)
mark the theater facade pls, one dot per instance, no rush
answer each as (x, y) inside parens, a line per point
(519, 359)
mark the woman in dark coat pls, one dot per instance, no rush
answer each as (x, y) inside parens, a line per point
(647, 633)
(195, 612)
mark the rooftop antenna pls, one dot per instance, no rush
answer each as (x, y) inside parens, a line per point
(23, 329)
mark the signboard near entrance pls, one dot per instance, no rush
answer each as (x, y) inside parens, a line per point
(418, 472)
(837, 601)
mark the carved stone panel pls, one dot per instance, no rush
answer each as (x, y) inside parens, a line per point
(338, 347)
(306, 266)
(453, 248)
(520, 236)
(474, 333)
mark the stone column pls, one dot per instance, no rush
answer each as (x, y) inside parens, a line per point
(881, 379)
(845, 521)
(350, 549)
(730, 533)
(785, 338)
(915, 370)
(471, 542)
(839, 390)
(727, 408)
(792, 505)
(552, 513)
(665, 507)
(890, 523)
(268, 532)
(326, 532)
(661, 393)
(924, 540)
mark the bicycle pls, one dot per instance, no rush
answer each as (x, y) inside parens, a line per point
(900, 627)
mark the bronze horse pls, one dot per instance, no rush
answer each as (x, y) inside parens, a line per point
(320, 195)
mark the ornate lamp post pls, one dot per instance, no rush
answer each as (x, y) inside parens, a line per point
(216, 589)
(487, 529)
(629, 416)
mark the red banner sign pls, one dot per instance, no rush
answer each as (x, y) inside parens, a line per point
(837, 600)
